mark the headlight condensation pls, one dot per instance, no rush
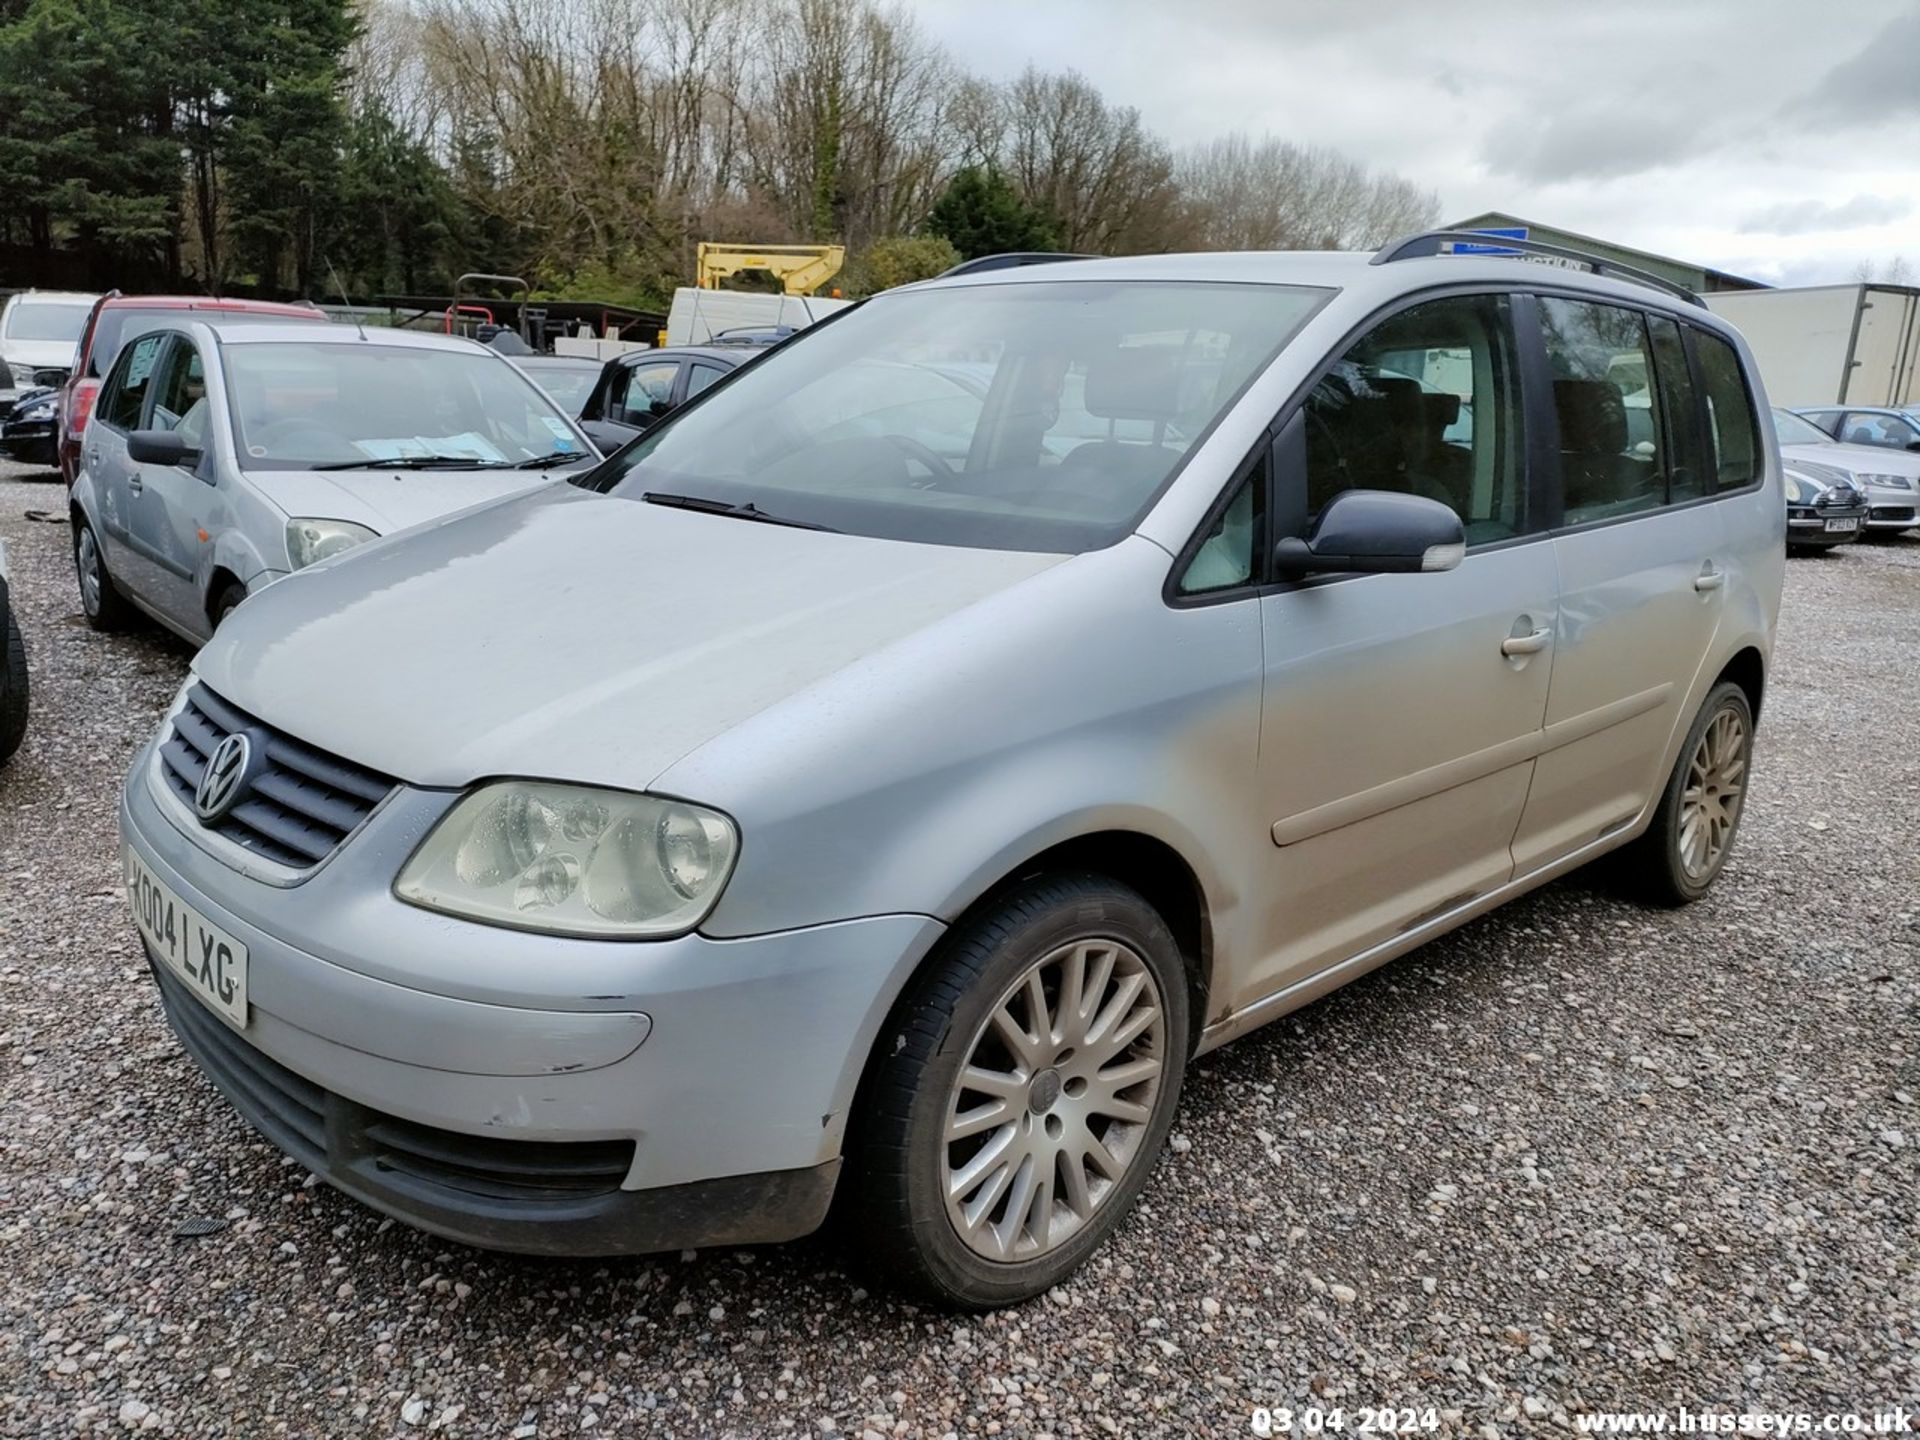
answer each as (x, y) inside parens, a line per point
(311, 541)
(573, 860)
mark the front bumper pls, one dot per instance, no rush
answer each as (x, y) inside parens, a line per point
(531, 1093)
(29, 442)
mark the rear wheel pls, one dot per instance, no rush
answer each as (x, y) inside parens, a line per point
(1692, 831)
(1023, 1090)
(104, 606)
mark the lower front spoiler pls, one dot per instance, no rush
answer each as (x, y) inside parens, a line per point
(533, 1197)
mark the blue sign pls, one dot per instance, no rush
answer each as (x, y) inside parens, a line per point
(1497, 232)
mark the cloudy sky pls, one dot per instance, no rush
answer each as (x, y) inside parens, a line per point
(1774, 138)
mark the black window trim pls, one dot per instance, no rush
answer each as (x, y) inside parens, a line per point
(1527, 378)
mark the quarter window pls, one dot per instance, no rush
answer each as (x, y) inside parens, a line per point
(1862, 429)
(1225, 558)
(1730, 423)
(1611, 458)
(127, 393)
(1426, 404)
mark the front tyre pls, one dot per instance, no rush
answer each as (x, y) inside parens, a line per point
(1692, 831)
(1022, 1090)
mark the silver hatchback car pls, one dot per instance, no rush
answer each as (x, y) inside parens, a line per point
(223, 456)
(849, 792)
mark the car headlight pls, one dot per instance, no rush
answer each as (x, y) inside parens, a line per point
(573, 860)
(1886, 482)
(1804, 492)
(311, 541)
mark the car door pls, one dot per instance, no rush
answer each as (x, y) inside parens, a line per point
(172, 503)
(1642, 550)
(116, 479)
(1401, 712)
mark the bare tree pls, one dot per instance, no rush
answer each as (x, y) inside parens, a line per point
(1896, 271)
(1271, 194)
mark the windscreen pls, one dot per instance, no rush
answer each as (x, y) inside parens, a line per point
(1035, 415)
(1794, 429)
(44, 320)
(300, 406)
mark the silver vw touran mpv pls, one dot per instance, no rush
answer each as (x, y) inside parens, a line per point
(875, 785)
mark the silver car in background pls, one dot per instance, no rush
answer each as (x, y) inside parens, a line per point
(807, 805)
(224, 456)
(1889, 479)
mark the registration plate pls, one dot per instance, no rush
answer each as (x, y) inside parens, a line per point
(211, 963)
(1837, 526)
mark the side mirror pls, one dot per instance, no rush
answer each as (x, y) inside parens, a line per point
(160, 447)
(1375, 532)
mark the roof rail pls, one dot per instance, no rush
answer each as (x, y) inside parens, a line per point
(1440, 242)
(1010, 260)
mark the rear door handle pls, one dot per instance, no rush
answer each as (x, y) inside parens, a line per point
(135, 483)
(1530, 644)
(1710, 580)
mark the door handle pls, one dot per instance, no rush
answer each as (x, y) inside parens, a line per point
(1530, 644)
(135, 483)
(1709, 580)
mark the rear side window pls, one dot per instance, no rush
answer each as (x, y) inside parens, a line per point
(1612, 460)
(1425, 404)
(126, 392)
(702, 377)
(1730, 423)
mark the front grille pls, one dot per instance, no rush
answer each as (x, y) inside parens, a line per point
(327, 1132)
(296, 809)
(1893, 512)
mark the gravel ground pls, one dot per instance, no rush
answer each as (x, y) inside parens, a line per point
(1577, 1156)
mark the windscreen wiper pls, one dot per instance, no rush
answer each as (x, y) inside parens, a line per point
(545, 462)
(413, 462)
(748, 511)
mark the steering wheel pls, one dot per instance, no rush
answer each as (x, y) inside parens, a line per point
(928, 457)
(271, 437)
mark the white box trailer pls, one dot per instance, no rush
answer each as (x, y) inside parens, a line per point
(1831, 344)
(699, 315)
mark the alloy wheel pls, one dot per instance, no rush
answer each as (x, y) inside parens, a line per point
(1715, 787)
(1055, 1100)
(86, 558)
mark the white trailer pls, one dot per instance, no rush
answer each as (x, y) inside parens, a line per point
(1831, 344)
(699, 315)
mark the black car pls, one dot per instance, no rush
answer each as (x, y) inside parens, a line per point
(1824, 508)
(13, 671)
(29, 433)
(637, 390)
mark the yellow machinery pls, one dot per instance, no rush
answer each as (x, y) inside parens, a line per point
(801, 269)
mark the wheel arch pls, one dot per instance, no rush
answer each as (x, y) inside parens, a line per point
(1748, 669)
